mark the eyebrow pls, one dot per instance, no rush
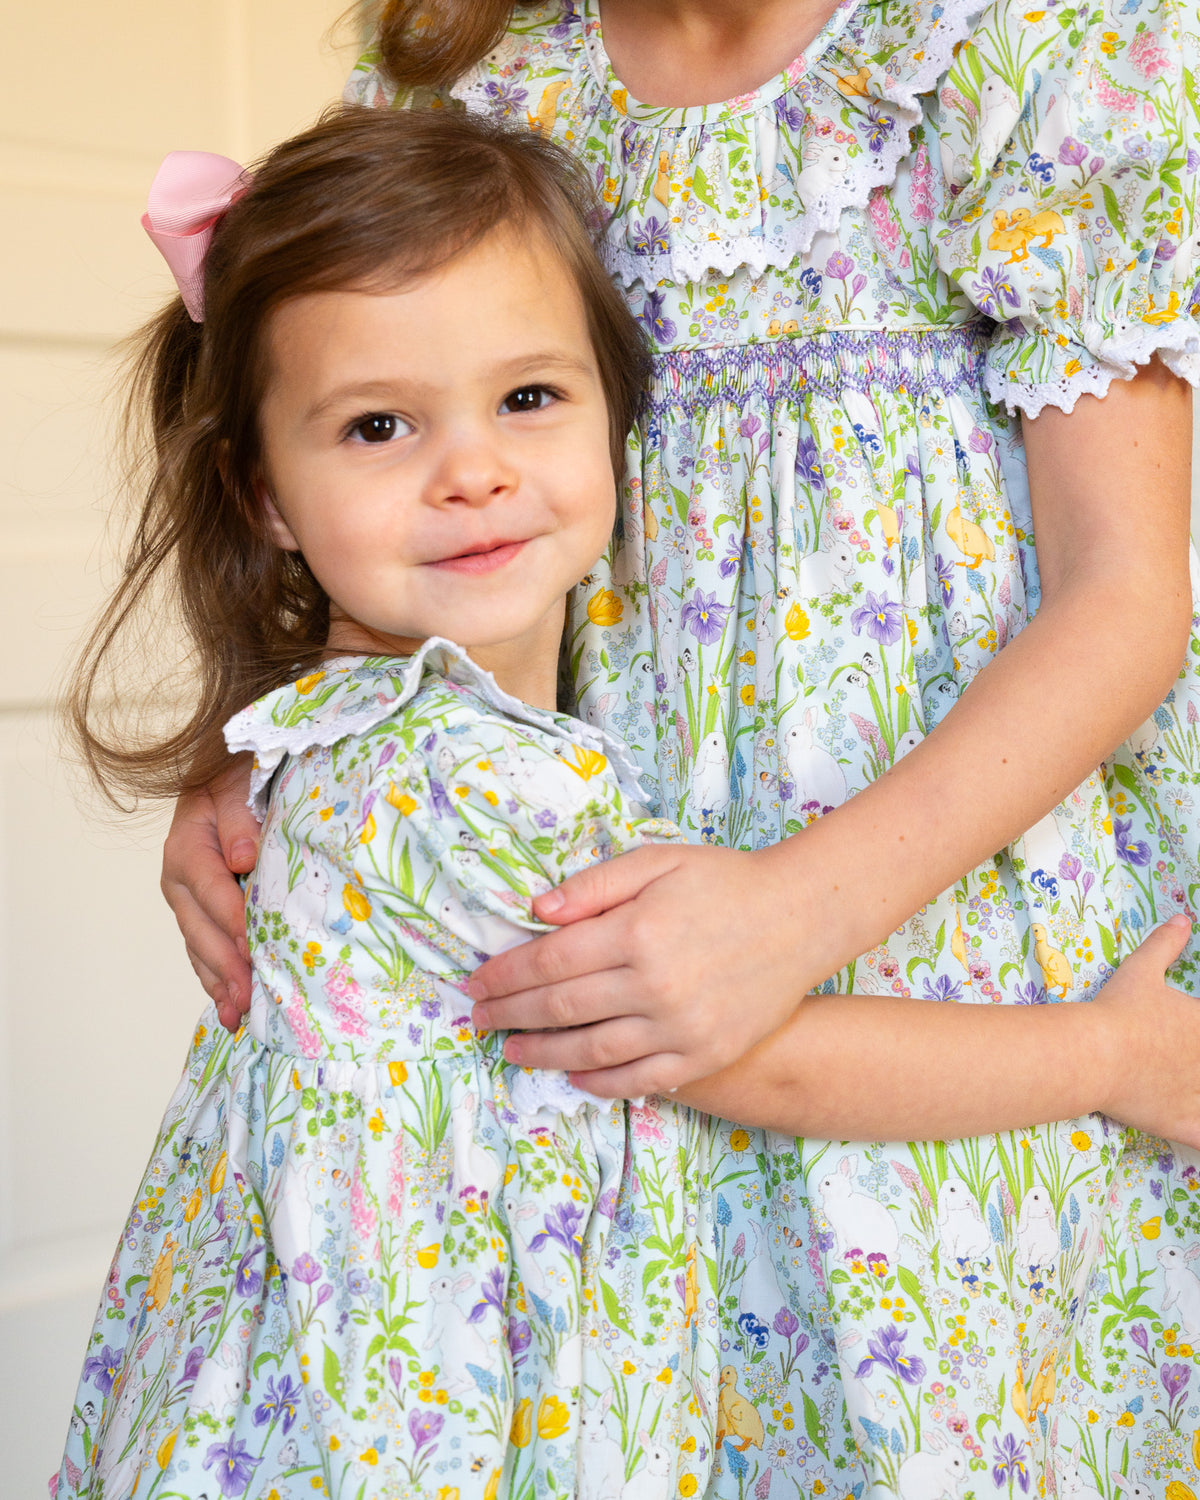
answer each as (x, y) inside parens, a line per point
(524, 366)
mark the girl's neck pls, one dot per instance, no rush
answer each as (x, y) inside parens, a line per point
(676, 53)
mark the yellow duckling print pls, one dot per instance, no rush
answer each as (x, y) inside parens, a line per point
(691, 1287)
(1019, 1398)
(542, 121)
(1041, 1387)
(1043, 226)
(889, 523)
(1056, 971)
(158, 1288)
(958, 942)
(851, 84)
(971, 540)
(736, 1415)
(1177, 1490)
(662, 183)
(1162, 314)
(1006, 237)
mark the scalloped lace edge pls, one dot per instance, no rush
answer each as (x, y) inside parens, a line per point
(1119, 359)
(689, 262)
(271, 742)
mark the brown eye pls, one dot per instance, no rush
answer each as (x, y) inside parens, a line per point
(527, 398)
(379, 427)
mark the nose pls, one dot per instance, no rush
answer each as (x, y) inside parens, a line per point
(472, 467)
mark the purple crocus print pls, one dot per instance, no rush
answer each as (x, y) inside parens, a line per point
(424, 1426)
(885, 1349)
(282, 1400)
(1072, 153)
(1132, 853)
(785, 1322)
(839, 265)
(1139, 1336)
(882, 618)
(520, 1336)
(704, 617)
(306, 1269)
(655, 320)
(233, 1464)
(101, 1369)
(191, 1365)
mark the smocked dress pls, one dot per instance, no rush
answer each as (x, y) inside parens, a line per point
(369, 1259)
(856, 278)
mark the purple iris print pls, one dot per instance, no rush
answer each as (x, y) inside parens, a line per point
(885, 1349)
(704, 617)
(234, 1466)
(562, 1225)
(655, 319)
(1132, 853)
(281, 1400)
(993, 290)
(1010, 1460)
(248, 1278)
(882, 618)
(101, 1369)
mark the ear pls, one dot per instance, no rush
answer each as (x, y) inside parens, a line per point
(275, 526)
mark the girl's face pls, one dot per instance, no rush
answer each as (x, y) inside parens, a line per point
(440, 455)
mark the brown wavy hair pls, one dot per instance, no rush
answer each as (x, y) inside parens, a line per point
(365, 199)
(429, 43)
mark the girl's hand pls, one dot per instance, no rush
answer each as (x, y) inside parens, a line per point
(677, 960)
(1155, 1041)
(213, 837)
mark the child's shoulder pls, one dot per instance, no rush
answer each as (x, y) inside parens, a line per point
(435, 707)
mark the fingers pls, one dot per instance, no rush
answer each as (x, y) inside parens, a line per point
(608, 1044)
(551, 959)
(660, 1073)
(1165, 944)
(605, 885)
(236, 826)
(573, 1003)
(208, 905)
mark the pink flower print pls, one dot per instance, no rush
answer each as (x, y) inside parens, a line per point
(1147, 56)
(647, 1124)
(396, 1203)
(879, 211)
(297, 1018)
(920, 191)
(345, 1000)
(362, 1215)
(1113, 98)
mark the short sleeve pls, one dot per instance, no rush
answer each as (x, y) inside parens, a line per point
(1069, 146)
(476, 824)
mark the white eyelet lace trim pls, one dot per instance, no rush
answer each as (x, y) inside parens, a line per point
(271, 742)
(1120, 355)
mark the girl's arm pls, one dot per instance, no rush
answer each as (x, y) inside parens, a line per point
(883, 1068)
(718, 947)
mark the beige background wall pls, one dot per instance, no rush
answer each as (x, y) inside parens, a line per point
(96, 997)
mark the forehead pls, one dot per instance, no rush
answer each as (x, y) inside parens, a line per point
(512, 290)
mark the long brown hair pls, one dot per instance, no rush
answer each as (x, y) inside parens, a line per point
(428, 43)
(365, 199)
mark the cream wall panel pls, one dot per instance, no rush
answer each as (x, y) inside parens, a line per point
(96, 996)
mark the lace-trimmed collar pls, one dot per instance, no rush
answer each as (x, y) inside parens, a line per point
(352, 694)
(750, 181)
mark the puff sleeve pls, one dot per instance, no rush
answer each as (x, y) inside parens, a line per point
(475, 825)
(1069, 144)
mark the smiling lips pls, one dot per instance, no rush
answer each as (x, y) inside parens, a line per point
(486, 560)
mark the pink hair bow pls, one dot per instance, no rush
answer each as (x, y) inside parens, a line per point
(189, 194)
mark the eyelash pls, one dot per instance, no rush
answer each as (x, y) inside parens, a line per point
(356, 427)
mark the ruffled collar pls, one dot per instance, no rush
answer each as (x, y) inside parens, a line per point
(352, 694)
(750, 181)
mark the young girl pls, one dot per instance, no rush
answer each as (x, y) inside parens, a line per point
(367, 1255)
(928, 213)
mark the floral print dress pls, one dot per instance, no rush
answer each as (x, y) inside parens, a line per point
(368, 1257)
(857, 278)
